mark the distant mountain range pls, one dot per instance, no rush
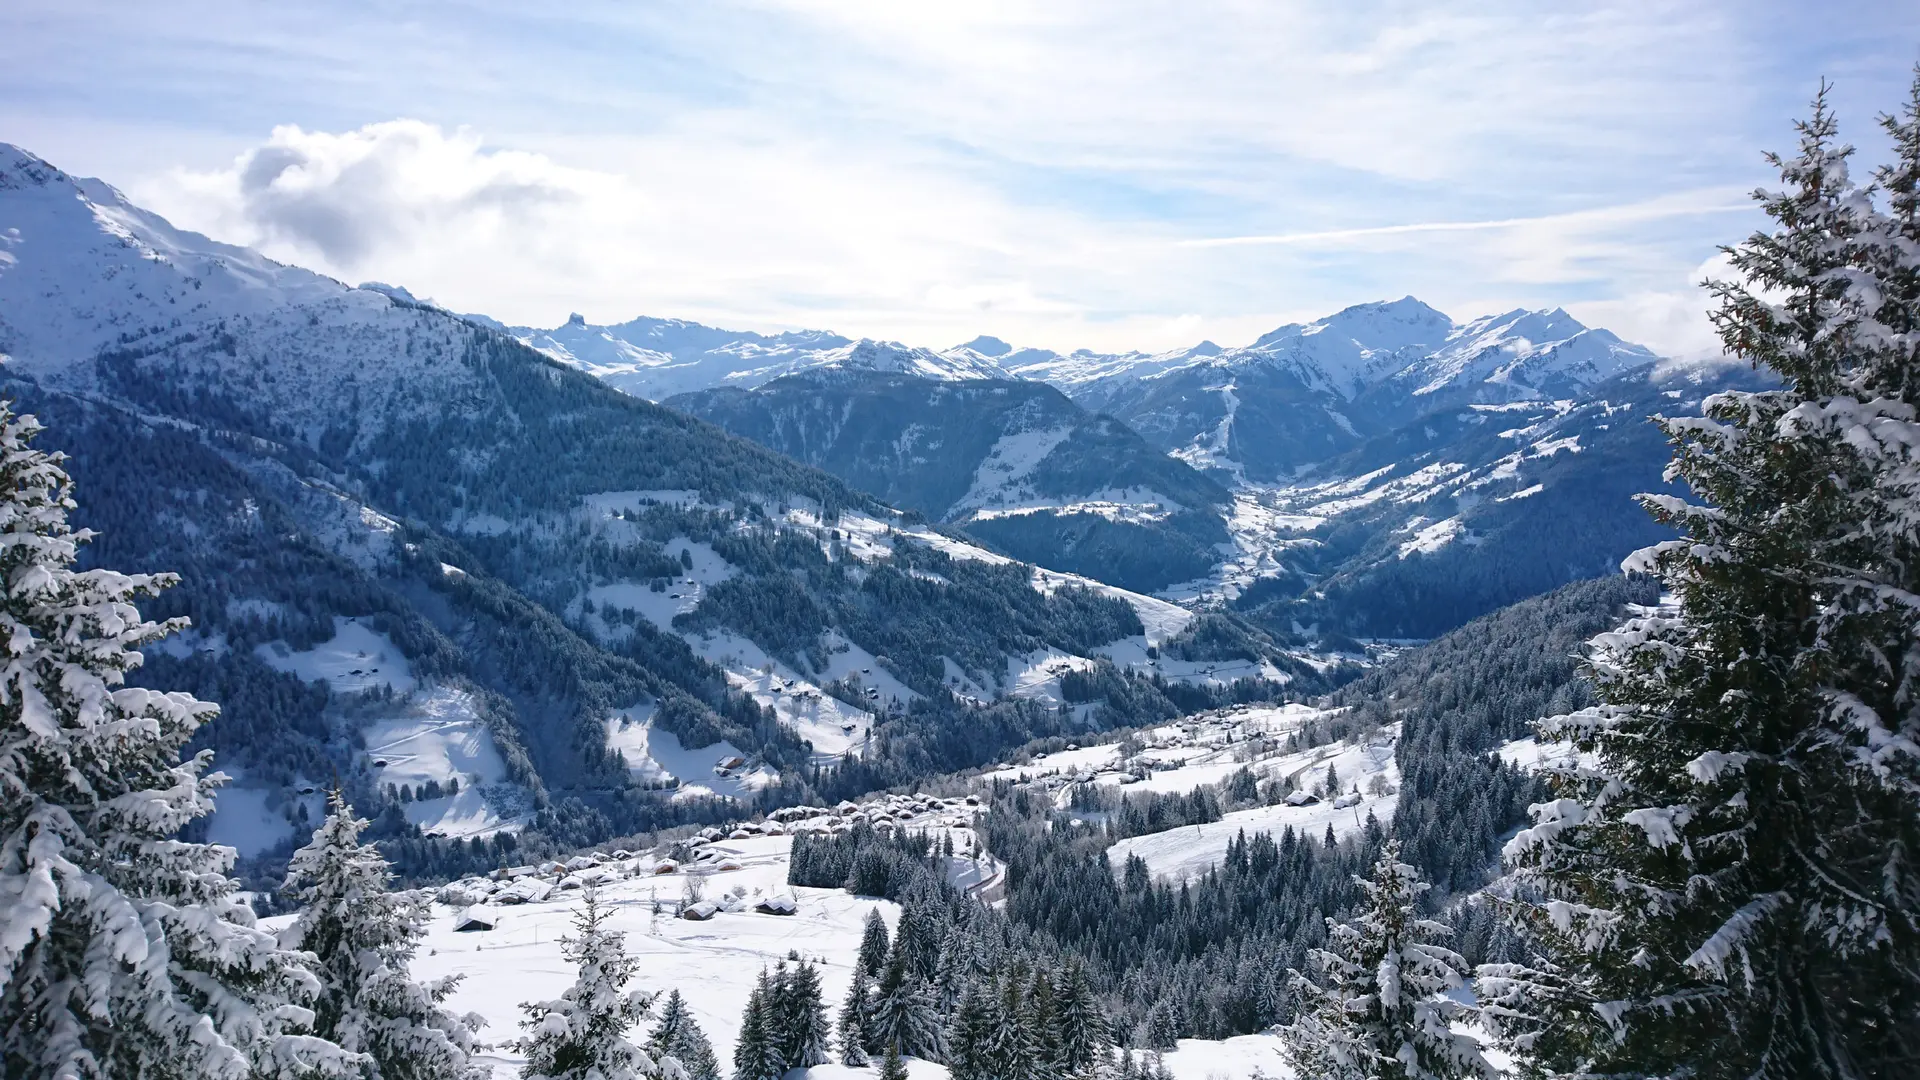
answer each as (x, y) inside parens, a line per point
(1383, 471)
(414, 548)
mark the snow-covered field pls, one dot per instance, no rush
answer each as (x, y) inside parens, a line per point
(430, 732)
(1229, 1059)
(356, 658)
(714, 963)
(656, 755)
(438, 737)
(1368, 783)
(245, 819)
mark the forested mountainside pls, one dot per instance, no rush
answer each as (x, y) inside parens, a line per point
(1466, 510)
(489, 592)
(1189, 866)
(1016, 464)
(1385, 472)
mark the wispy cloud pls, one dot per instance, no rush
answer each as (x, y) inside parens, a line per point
(1690, 204)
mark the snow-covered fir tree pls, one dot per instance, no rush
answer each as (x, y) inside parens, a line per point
(891, 1067)
(800, 1016)
(970, 1037)
(124, 952)
(850, 1032)
(583, 1034)
(1086, 1038)
(363, 938)
(1161, 1029)
(678, 1035)
(1730, 888)
(874, 944)
(1014, 1047)
(1378, 1011)
(903, 1013)
(756, 1053)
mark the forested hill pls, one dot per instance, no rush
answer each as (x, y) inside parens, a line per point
(1015, 463)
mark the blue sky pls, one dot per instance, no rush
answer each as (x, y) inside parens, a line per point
(1109, 174)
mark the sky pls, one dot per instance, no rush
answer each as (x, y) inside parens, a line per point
(1107, 174)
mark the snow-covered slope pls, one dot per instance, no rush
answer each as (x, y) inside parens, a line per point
(658, 358)
(82, 269)
(525, 550)
(1017, 463)
(1521, 355)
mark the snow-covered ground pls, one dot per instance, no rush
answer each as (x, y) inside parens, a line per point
(242, 820)
(1000, 479)
(833, 726)
(655, 755)
(1229, 1059)
(439, 737)
(1368, 783)
(356, 658)
(429, 732)
(679, 597)
(1210, 748)
(712, 963)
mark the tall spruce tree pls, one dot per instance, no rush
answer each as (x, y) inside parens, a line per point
(756, 1054)
(1085, 1035)
(1379, 1010)
(583, 1034)
(1730, 889)
(799, 1017)
(851, 1033)
(124, 952)
(970, 1038)
(891, 1067)
(903, 1013)
(677, 1035)
(363, 938)
(874, 944)
(1013, 1044)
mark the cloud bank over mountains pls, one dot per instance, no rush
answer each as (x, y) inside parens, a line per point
(1110, 176)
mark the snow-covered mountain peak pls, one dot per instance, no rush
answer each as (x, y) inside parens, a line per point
(21, 168)
(81, 268)
(1522, 353)
(891, 356)
(987, 345)
(1353, 347)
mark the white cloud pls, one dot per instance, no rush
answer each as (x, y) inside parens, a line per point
(1116, 174)
(786, 234)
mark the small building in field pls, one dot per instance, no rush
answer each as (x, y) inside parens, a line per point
(475, 919)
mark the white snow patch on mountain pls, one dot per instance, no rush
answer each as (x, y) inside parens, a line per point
(1000, 478)
(244, 819)
(82, 268)
(1368, 777)
(1431, 538)
(1128, 505)
(356, 658)
(439, 737)
(1213, 450)
(657, 756)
